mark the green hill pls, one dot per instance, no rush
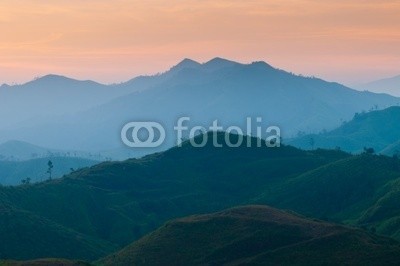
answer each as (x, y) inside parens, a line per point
(27, 235)
(256, 235)
(348, 190)
(119, 202)
(376, 129)
(108, 206)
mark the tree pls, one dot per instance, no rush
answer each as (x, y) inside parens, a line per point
(369, 150)
(50, 169)
(312, 142)
(26, 181)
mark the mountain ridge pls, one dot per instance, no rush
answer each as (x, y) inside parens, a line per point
(255, 235)
(389, 85)
(377, 129)
(223, 90)
(120, 202)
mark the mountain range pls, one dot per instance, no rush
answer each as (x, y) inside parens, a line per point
(327, 195)
(379, 130)
(14, 150)
(65, 114)
(120, 202)
(54, 95)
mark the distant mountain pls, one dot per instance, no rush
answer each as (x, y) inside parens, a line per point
(14, 150)
(377, 129)
(185, 63)
(48, 96)
(13, 172)
(256, 235)
(392, 149)
(389, 85)
(218, 89)
(44, 98)
(20, 150)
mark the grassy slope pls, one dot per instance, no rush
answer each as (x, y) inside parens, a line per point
(27, 235)
(256, 235)
(120, 202)
(360, 190)
(377, 129)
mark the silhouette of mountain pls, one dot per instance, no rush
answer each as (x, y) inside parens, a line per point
(20, 150)
(218, 63)
(218, 89)
(42, 99)
(53, 81)
(186, 63)
(388, 85)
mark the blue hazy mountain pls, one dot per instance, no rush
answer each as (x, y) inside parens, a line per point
(43, 98)
(16, 151)
(388, 85)
(392, 149)
(14, 172)
(20, 151)
(379, 130)
(218, 89)
(21, 160)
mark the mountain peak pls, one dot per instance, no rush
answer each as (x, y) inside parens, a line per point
(50, 79)
(186, 63)
(4, 86)
(218, 63)
(261, 64)
(57, 80)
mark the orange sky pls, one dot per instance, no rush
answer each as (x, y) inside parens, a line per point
(114, 40)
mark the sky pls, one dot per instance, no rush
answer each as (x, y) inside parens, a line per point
(111, 41)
